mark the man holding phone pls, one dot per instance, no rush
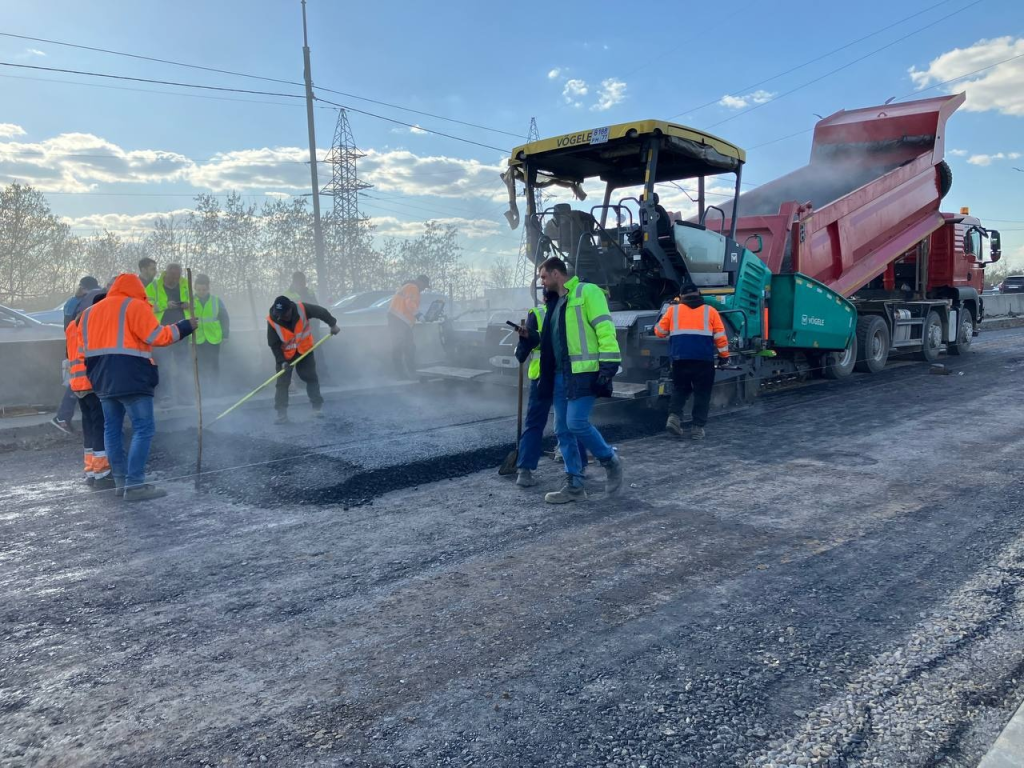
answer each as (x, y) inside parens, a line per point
(539, 407)
(168, 294)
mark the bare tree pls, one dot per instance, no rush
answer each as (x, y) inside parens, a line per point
(501, 274)
(37, 253)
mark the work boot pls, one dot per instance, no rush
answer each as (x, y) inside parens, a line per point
(674, 426)
(143, 492)
(90, 481)
(525, 479)
(613, 468)
(697, 433)
(104, 484)
(317, 413)
(62, 425)
(282, 417)
(567, 494)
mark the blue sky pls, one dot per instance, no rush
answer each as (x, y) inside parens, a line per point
(570, 65)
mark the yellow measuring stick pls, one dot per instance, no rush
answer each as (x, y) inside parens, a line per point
(272, 379)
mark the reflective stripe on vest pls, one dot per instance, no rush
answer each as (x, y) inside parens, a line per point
(534, 370)
(587, 357)
(119, 348)
(209, 330)
(298, 341)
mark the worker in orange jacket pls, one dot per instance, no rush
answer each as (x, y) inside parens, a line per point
(97, 466)
(697, 338)
(118, 336)
(403, 312)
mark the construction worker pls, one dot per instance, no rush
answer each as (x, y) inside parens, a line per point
(214, 329)
(147, 271)
(97, 465)
(118, 336)
(539, 408)
(579, 357)
(299, 290)
(403, 312)
(168, 294)
(66, 409)
(697, 338)
(289, 336)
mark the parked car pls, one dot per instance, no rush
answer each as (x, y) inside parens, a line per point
(17, 326)
(377, 313)
(53, 316)
(357, 301)
(1012, 284)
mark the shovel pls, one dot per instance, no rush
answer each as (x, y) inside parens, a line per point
(508, 466)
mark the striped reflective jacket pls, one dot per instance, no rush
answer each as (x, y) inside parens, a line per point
(589, 329)
(694, 333)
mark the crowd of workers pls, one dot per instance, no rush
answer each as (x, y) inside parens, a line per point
(120, 336)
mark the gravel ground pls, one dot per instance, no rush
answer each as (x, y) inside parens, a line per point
(832, 578)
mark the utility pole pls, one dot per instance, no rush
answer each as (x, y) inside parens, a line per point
(318, 233)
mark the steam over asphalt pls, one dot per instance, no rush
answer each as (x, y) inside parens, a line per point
(834, 577)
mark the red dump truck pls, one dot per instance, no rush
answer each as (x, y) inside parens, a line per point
(864, 218)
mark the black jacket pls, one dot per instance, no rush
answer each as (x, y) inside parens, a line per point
(577, 385)
(313, 312)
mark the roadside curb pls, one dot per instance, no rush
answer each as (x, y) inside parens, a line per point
(996, 323)
(1008, 751)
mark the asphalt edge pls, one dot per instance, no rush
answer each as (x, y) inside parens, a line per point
(1008, 750)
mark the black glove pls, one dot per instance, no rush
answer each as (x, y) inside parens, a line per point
(605, 374)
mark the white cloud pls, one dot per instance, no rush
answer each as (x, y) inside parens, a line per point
(123, 224)
(555, 73)
(9, 130)
(276, 168)
(435, 176)
(35, 52)
(958, 152)
(985, 159)
(390, 226)
(1000, 88)
(574, 90)
(612, 92)
(416, 129)
(77, 162)
(742, 102)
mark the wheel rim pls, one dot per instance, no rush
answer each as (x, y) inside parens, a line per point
(934, 336)
(966, 332)
(876, 346)
(847, 357)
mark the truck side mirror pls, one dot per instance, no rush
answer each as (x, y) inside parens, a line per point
(758, 241)
(995, 248)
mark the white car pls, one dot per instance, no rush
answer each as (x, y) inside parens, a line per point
(17, 326)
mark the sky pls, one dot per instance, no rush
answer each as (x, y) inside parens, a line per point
(747, 71)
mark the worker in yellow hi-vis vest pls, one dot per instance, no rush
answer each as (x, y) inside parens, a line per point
(213, 330)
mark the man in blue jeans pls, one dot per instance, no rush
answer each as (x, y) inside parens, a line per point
(579, 357)
(118, 335)
(539, 407)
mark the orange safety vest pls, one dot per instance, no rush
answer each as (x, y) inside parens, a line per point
(696, 333)
(297, 341)
(124, 323)
(406, 303)
(76, 356)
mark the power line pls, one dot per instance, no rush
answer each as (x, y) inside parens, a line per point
(848, 64)
(257, 77)
(226, 89)
(759, 83)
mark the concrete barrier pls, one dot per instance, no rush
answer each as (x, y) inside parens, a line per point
(1003, 305)
(30, 371)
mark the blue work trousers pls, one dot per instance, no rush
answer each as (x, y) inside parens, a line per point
(533, 431)
(139, 408)
(573, 427)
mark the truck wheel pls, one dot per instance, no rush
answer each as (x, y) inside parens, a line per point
(839, 365)
(945, 178)
(931, 338)
(964, 334)
(872, 344)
